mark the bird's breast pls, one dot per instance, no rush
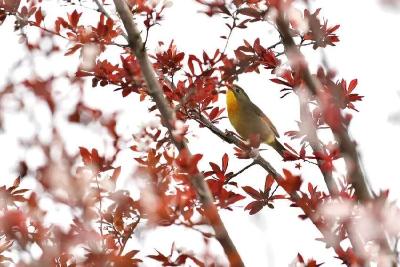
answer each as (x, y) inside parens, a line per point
(232, 106)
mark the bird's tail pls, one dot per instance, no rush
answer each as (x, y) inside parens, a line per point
(279, 148)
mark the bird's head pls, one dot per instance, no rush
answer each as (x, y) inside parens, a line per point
(239, 93)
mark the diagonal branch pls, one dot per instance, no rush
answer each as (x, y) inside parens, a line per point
(168, 117)
(346, 145)
(294, 196)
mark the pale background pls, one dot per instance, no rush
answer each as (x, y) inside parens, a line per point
(368, 51)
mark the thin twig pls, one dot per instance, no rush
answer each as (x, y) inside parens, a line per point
(273, 192)
(239, 172)
(230, 33)
(100, 210)
(274, 45)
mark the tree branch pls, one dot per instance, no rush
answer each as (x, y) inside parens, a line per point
(259, 160)
(168, 117)
(346, 145)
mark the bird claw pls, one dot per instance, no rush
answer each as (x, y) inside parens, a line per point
(233, 134)
(254, 153)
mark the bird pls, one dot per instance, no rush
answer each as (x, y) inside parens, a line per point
(249, 120)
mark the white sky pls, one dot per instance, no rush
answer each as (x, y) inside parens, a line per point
(368, 51)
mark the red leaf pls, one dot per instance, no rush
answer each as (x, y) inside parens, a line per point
(291, 183)
(213, 114)
(225, 161)
(251, 12)
(252, 192)
(17, 182)
(116, 173)
(73, 49)
(74, 18)
(254, 207)
(269, 180)
(352, 85)
(86, 156)
(279, 81)
(190, 63)
(302, 153)
(39, 16)
(215, 168)
(187, 161)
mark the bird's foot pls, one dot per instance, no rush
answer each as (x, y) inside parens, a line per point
(231, 134)
(254, 153)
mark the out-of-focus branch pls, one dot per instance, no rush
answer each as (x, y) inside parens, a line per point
(291, 49)
(168, 117)
(346, 145)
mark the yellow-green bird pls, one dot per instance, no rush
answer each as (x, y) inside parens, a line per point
(248, 119)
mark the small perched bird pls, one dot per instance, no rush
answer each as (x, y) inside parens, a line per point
(248, 119)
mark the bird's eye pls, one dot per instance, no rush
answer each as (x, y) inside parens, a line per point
(237, 90)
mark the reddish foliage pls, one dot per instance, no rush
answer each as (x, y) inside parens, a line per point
(106, 213)
(263, 197)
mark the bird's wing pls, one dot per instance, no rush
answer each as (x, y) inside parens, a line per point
(264, 117)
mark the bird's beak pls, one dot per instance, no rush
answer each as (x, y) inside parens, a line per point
(229, 87)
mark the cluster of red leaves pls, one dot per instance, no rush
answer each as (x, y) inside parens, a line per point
(127, 77)
(12, 195)
(198, 91)
(8, 6)
(326, 157)
(102, 35)
(320, 33)
(176, 260)
(22, 220)
(167, 197)
(263, 197)
(334, 99)
(308, 263)
(252, 56)
(170, 61)
(218, 184)
(168, 182)
(214, 7)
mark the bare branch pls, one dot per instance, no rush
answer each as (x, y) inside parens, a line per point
(239, 172)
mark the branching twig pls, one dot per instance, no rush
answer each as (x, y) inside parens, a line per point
(230, 32)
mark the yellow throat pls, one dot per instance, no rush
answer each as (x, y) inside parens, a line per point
(231, 103)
